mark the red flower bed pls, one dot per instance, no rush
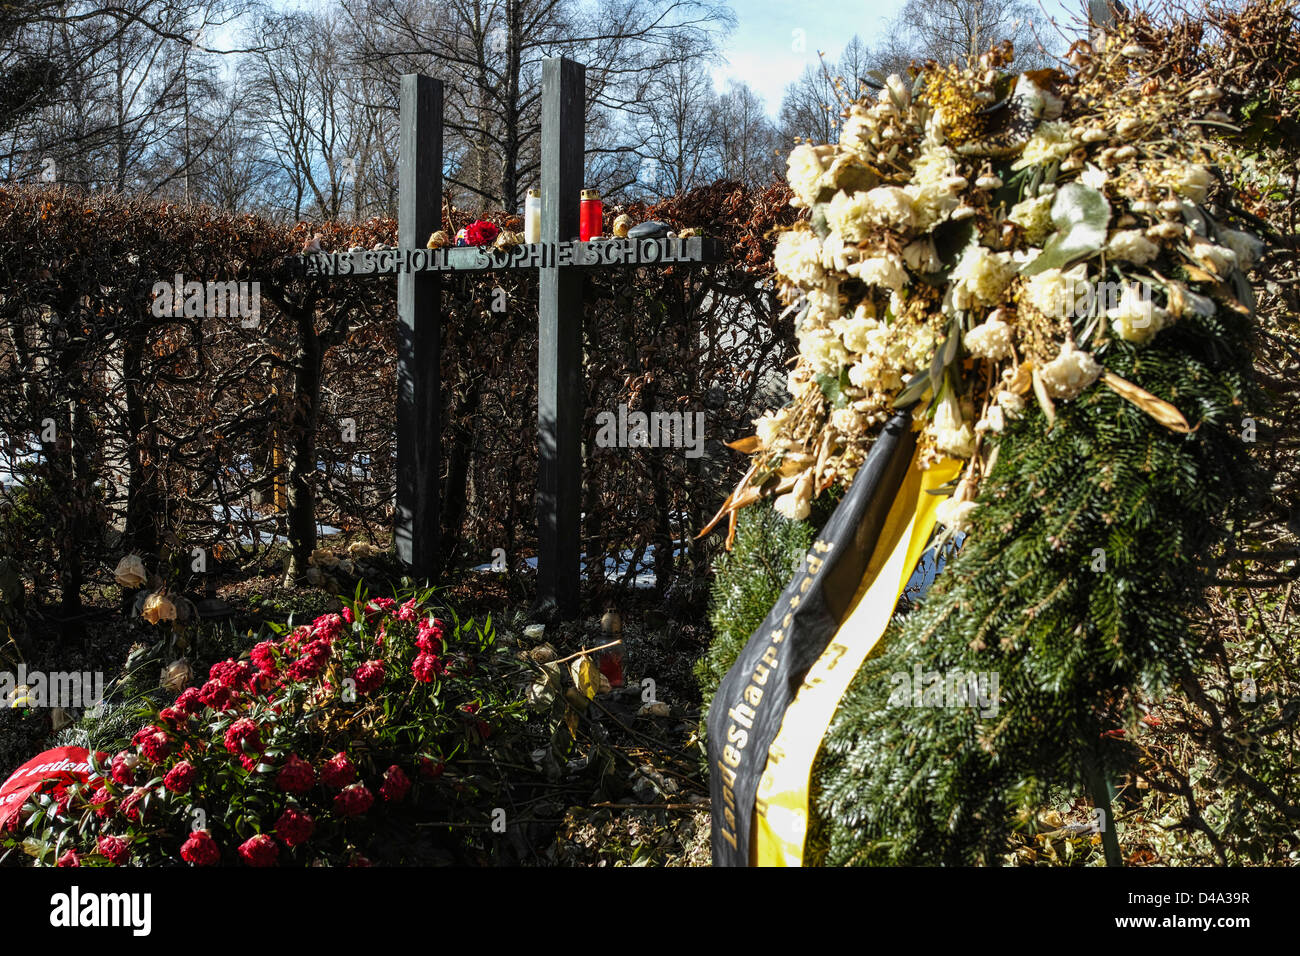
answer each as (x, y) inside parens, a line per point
(293, 755)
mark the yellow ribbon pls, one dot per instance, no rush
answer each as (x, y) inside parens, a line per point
(781, 806)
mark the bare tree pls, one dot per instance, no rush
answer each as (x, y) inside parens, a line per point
(489, 53)
(747, 140)
(129, 89)
(683, 140)
(960, 31)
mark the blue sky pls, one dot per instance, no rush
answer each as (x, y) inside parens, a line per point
(763, 49)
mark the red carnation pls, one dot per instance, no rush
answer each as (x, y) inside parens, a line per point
(353, 801)
(347, 615)
(200, 849)
(190, 701)
(315, 656)
(117, 850)
(260, 850)
(407, 611)
(144, 732)
(369, 676)
(327, 627)
(103, 802)
(230, 674)
(396, 785)
(431, 769)
(242, 738)
(429, 637)
(180, 778)
(425, 667)
(156, 747)
(131, 804)
(124, 765)
(69, 859)
(264, 657)
(338, 771)
(294, 827)
(296, 776)
(480, 233)
(173, 717)
(216, 695)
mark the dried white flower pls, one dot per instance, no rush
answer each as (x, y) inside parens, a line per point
(1010, 403)
(1136, 318)
(954, 514)
(1034, 216)
(1070, 372)
(1247, 247)
(1193, 181)
(1167, 230)
(795, 504)
(853, 215)
(803, 172)
(822, 350)
(933, 170)
(981, 276)
(1051, 141)
(990, 340)
(845, 421)
(993, 421)
(921, 256)
(1130, 245)
(952, 435)
(858, 134)
(1214, 257)
(885, 271)
(769, 427)
(798, 258)
(1055, 293)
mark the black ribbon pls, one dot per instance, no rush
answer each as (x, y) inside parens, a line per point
(752, 699)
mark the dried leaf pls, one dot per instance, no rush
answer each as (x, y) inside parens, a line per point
(746, 445)
(1157, 408)
(1021, 381)
(586, 676)
(1044, 400)
(1197, 274)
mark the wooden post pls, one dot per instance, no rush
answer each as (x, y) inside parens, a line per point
(419, 411)
(559, 352)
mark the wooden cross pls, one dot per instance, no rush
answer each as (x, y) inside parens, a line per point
(560, 258)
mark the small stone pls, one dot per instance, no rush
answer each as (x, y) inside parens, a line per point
(543, 654)
(649, 230)
(534, 631)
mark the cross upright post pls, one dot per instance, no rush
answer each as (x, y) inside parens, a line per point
(419, 307)
(559, 351)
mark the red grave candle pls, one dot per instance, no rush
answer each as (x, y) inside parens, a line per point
(590, 214)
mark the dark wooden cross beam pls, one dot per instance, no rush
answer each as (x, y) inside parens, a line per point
(559, 258)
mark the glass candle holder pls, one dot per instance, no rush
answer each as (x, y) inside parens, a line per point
(591, 213)
(533, 216)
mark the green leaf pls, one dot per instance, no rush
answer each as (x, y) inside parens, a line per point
(913, 390)
(833, 388)
(1081, 215)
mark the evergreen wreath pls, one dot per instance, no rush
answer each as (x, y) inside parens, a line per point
(961, 244)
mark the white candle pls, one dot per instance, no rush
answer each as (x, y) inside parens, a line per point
(533, 216)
